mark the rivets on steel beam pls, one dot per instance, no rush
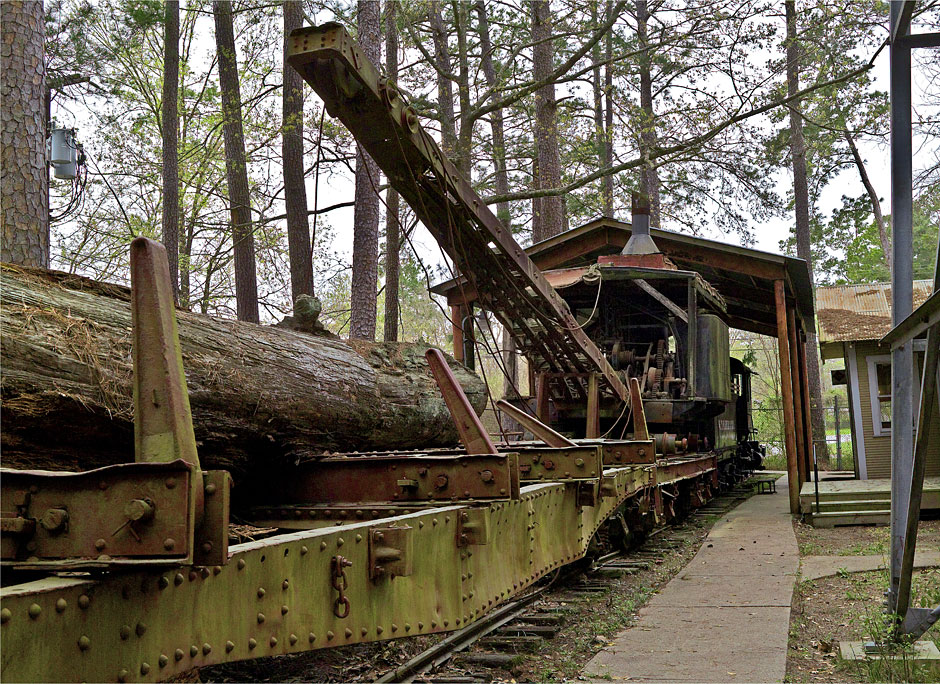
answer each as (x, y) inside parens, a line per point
(311, 637)
(84, 643)
(210, 488)
(358, 538)
(363, 631)
(178, 654)
(252, 644)
(193, 651)
(216, 569)
(122, 675)
(240, 564)
(340, 541)
(322, 545)
(292, 639)
(140, 629)
(178, 579)
(347, 632)
(162, 660)
(193, 575)
(379, 629)
(206, 649)
(206, 547)
(303, 550)
(144, 668)
(229, 646)
(446, 623)
(394, 628)
(284, 610)
(100, 544)
(407, 627)
(170, 483)
(420, 523)
(329, 636)
(284, 585)
(124, 632)
(434, 521)
(260, 618)
(34, 610)
(5, 616)
(260, 592)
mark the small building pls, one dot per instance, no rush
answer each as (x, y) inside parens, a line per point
(852, 321)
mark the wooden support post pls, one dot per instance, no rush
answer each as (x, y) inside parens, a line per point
(593, 429)
(807, 411)
(786, 390)
(456, 319)
(802, 449)
(541, 398)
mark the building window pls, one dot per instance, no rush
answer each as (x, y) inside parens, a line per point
(879, 385)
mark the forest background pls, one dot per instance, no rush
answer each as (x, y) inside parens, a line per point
(758, 123)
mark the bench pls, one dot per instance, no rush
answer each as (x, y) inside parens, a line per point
(766, 485)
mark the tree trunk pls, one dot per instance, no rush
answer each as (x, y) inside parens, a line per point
(600, 135)
(170, 112)
(299, 244)
(546, 130)
(365, 259)
(262, 397)
(246, 282)
(801, 205)
(392, 215)
(496, 117)
(873, 197)
(649, 175)
(445, 92)
(24, 189)
(607, 183)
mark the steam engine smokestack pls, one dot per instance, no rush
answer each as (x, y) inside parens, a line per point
(640, 241)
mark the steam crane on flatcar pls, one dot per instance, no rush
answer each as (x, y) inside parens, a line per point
(125, 572)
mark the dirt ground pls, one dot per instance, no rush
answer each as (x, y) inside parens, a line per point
(859, 540)
(848, 607)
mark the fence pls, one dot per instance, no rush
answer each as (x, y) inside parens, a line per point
(837, 453)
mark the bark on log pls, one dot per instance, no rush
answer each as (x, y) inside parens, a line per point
(262, 397)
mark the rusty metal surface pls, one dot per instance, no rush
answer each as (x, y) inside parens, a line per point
(117, 515)
(535, 426)
(474, 436)
(398, 479)
(510, 285)
(850, 313)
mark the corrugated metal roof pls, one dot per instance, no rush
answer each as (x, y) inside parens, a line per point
(849, 313)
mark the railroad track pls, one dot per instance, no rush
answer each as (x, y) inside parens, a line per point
(524, 623)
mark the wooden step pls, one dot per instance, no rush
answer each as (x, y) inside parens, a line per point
(848, 506)
(836, 518)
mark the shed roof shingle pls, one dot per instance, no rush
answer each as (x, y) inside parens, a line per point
(852, 313)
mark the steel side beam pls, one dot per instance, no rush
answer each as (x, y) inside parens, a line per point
(275, 596)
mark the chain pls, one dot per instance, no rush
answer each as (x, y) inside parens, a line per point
(338, 567)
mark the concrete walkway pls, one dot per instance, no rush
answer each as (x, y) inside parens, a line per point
(726, 616)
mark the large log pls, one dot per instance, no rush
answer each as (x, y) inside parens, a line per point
(262, 397)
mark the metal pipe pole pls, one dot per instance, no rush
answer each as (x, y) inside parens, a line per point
(835, 410)
(902, 280)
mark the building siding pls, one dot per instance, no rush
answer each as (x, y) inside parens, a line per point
(878, 449)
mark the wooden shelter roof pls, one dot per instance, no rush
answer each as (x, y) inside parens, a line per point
(744, 277)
